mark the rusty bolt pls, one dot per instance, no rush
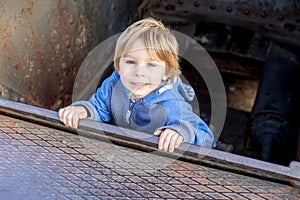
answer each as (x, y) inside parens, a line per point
(68, 42)
(61, 88)
(281, 17)
(71, 20)
(17, 99)
(180, 1)
(246, 12)
(22, 100)
(213, 6)
(170, 8)
(113, 7)
(64, 66)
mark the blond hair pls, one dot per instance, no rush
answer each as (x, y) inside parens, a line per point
(158, 40)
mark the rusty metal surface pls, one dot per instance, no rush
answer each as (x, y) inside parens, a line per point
(237, 34)
(145, 142)
(44, 42)
(277, 19)
(37, 162)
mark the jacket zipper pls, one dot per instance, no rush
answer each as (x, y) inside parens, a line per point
(128, 113)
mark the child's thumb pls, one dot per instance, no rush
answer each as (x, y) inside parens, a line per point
(158, 132)
(82, 115)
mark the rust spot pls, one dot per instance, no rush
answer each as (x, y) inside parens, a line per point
(31, 66)
(287, 189)
(66, 72)
(30, 89)
(67, 41)
(28, 10)
(71, 20)
(61, 88)
(64, 66)
(26, 79)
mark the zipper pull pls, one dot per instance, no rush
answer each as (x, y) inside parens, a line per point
(128, 112)
(127, 116)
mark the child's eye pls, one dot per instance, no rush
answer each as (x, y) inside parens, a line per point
(152, 65)
(130, 62)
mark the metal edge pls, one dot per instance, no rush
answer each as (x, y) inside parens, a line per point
(191, 153)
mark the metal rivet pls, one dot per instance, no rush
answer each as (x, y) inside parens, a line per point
(22, 100)
(71, 20)
(281, 17)
(112, 7)
(180, 1)
(64, 66)
(170, 8)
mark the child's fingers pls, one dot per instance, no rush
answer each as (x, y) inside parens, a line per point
(158, 133)
(172, 144)
(75, 120)
(167, 139)
(69, 119)
(67, 116)
(70, 115)
(162, 137)
(82, 115)
(61, 113)
(178, 141)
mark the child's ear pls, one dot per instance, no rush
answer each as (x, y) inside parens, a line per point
(117, 70)
(164, 77)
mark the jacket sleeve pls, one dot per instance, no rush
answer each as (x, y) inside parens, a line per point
(98, 106)
(192, 128)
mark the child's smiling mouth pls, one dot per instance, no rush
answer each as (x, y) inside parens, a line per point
(139, 84)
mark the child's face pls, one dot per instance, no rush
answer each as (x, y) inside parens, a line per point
(140, 73)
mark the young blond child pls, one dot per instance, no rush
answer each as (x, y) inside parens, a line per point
(144, 92)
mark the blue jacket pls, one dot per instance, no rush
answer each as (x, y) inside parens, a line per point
(163, 108)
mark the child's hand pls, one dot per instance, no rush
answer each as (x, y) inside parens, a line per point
(71, 115)
(169, 139)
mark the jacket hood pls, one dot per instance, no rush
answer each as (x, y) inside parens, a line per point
(173, 88)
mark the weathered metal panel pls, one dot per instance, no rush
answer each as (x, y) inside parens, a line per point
(142, 141)
(277, 19)
(44, 42)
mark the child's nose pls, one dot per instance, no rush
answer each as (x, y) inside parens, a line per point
(140, 70)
